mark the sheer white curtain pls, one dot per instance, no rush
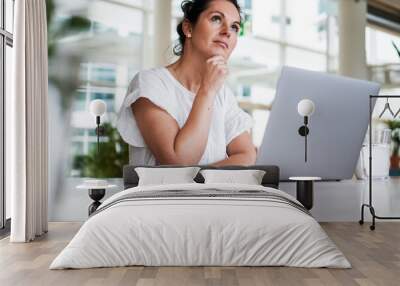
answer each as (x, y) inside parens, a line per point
(27, 143)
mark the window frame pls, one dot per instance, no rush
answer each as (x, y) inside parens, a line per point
(6, 39)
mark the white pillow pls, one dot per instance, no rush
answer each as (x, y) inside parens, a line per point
(167, 175)
(249, 177)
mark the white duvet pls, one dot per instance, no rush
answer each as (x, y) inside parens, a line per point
(200, 231)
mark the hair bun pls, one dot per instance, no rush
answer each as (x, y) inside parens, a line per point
(186, 6)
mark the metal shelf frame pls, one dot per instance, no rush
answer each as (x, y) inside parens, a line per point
(370, 203)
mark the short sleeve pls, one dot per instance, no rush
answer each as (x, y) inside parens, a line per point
(147, 84)
(236, 121)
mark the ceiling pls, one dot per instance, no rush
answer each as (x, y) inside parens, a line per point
(386, 4)
(385, 13)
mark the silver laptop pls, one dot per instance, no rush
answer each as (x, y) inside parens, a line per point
(337, 126)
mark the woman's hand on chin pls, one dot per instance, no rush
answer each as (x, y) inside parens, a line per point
(214, 74)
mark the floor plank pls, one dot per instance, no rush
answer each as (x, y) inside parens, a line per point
(374, 255)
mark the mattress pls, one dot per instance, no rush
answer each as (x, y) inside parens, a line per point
(201, 225)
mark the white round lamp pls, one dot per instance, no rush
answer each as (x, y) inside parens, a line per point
(97, 188)
(97, 107)
(305, 108)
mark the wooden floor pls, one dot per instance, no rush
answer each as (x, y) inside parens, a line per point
(375, 257)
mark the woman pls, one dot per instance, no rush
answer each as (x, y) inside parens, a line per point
(183, 114)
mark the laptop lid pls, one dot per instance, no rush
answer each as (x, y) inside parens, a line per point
(337, 126)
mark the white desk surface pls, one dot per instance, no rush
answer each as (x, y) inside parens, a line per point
(305, 178)
(341, 200)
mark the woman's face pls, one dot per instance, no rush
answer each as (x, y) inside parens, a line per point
(217, 29)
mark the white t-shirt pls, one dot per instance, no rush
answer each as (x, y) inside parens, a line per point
(164, 90)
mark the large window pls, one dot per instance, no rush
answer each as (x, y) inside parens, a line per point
(384, 63)
(379, 46)
(6, 43)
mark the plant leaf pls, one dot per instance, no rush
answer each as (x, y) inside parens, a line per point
(397, 49)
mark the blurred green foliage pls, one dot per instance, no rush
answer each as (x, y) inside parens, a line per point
(109, 162)
(113, 153)
(55, 31)
(63, 69)
(394, 125)
(396, 48)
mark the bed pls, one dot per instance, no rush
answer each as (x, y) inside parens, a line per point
(201, 224)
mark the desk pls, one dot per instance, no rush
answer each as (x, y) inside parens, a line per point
(305, 190)
(340, 200)
(96, 193)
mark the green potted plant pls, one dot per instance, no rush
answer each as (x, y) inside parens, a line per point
(394, 125)
(395, 158)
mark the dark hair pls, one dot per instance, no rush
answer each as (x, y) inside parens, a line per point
(191, 12)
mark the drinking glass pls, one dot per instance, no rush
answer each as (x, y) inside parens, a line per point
(381, 140)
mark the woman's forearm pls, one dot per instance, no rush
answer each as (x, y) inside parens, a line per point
(191, 140)
(245, 158)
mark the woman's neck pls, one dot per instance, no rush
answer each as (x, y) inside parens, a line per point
(188, 71)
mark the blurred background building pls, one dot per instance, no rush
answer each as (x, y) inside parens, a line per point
(354, 38)
(118, 38)
(349, 37)
(126, 36)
